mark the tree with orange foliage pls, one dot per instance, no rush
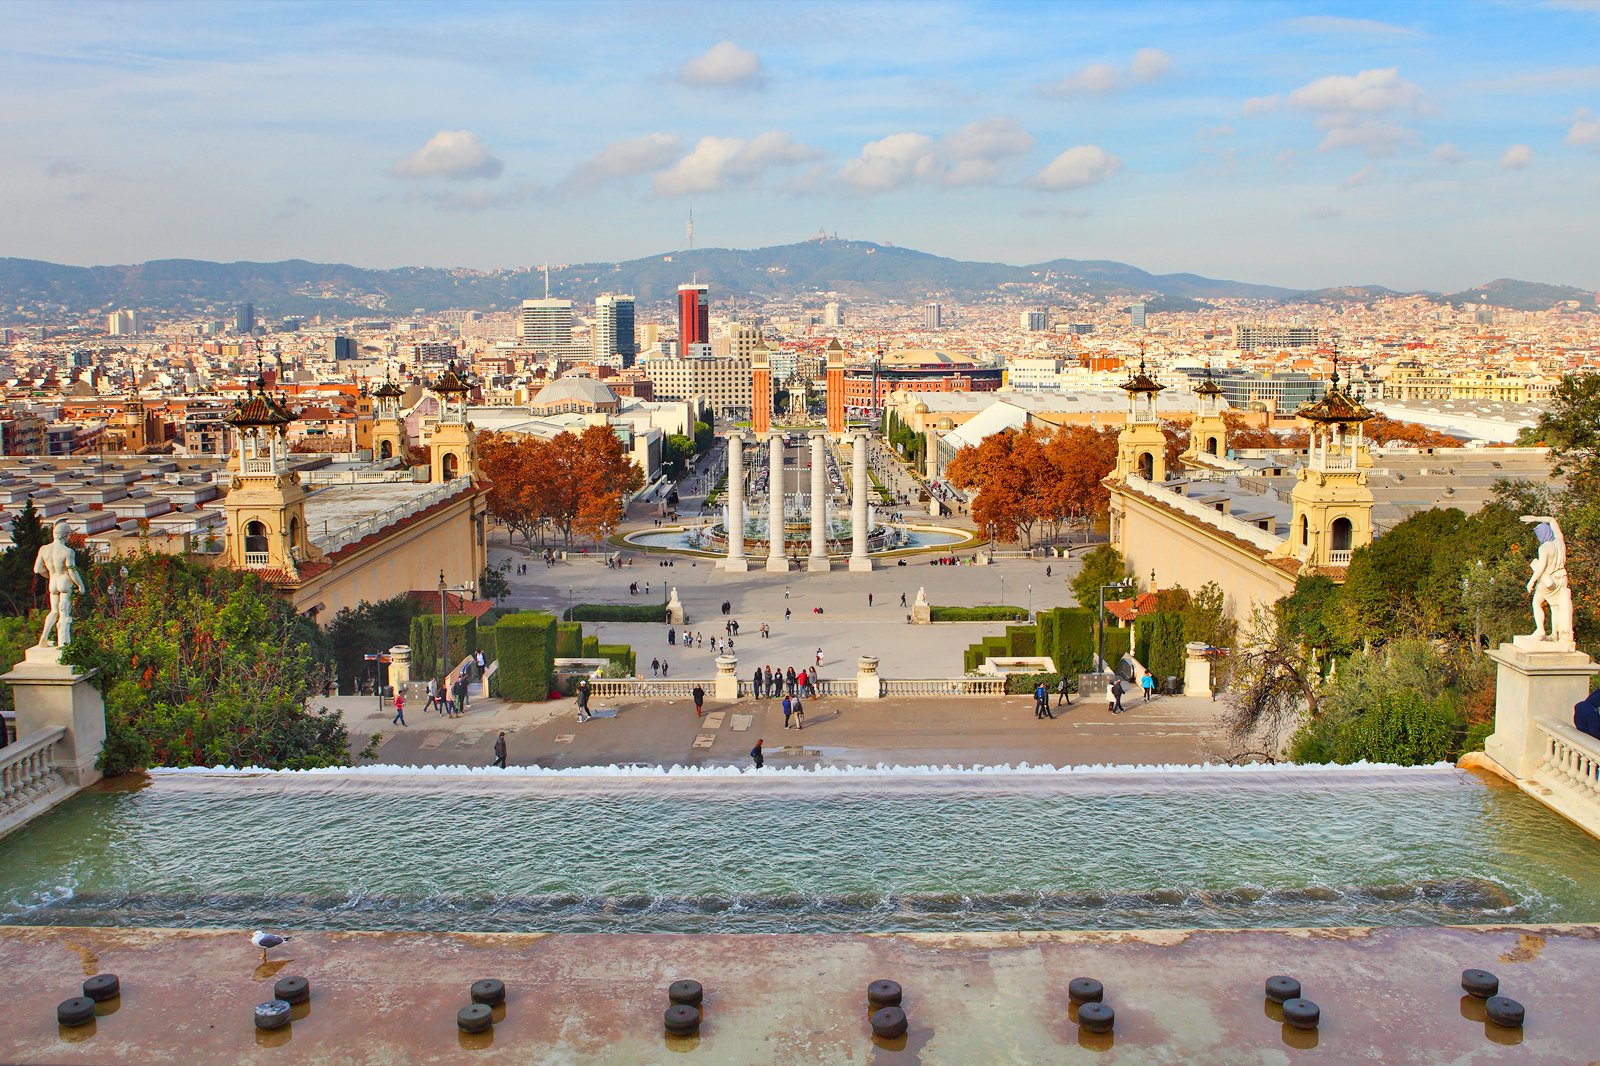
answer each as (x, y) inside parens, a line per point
(605, 475)
(1380, 429)
(1080, 458)
(1027, 477)
(1242, 434)
(570, 481)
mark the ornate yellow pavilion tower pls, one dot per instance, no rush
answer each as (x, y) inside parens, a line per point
(388, 428)
(1141, 446)
(452, 453)
(265, 507)
(1208, 433)
(1332, 513)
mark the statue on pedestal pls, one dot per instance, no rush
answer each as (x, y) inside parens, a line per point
(1548, 585)
(58, 563)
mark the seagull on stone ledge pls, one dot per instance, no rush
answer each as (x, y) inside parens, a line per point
(267, 941)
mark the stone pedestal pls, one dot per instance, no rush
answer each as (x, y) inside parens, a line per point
(921, 614)
(726, 684)
(869, 686)
(1196, 671)
(817, 562)
(399, 666)
(1537, 681)
(49, 694)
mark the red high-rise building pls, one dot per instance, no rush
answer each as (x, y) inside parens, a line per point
(694, 316)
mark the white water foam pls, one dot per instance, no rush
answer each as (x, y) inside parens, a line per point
(811, 772)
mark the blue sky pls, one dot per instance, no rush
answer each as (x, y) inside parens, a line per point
(1413, 145)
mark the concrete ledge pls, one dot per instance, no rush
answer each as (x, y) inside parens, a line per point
(1387, 995)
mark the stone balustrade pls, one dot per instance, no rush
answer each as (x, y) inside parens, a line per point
(1571, 761)
(632, 688)
(30, 781)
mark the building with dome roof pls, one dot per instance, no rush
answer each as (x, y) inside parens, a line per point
(575, 394)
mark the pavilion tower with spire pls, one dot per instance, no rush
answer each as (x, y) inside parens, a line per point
(265, 507)
(452, 453)
(1332, 504)
(1142, 446)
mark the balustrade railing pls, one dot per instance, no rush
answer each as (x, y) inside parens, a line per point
(945, 686)
(1572, 758)
(649, 688)
(27, 769)
(257, 558)
(1340, 557)
(653, 688)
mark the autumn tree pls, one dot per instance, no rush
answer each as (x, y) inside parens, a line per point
(572, 482)
(1383, 430)
(1026, 477)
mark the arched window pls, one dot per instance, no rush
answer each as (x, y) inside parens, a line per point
(294, 532)
(1211, 445)
(386, 450)
(448, 466)
(1305, 530)
(1147, 466)
(1341, 533)
(255, 537)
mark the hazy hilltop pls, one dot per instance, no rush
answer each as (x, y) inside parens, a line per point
(853, 270)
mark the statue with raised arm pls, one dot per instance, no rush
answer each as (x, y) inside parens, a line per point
(58, 563)
(1549, 581)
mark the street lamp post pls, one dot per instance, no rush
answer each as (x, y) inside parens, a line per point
(1100, 626)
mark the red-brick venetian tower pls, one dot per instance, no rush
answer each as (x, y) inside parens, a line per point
(761, 388)
(836, 423)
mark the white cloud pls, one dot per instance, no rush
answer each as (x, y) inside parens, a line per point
(718, 163)
(1369, 92)
(1448, 153)
(1149, 64)
(1097, 79)
(972, 155)
(1337, 25)
(1516, 157)
(625, 159)
(1585, 128)
(1373, 138)
(455, 154)
(1260, 105)
(724, 64)
(1357, 178)
(1085, 164)
(975, 151)
(890, 162)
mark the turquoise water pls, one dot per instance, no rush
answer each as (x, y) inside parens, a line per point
(842, 854)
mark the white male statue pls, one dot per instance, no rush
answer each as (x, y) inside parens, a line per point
(59, 564)
(1549, 581)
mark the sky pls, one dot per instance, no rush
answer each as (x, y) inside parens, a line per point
(1415, 145)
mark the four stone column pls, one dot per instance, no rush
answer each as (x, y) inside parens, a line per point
(859, 559)
(777, 561)
(736, 561)
(818, 561)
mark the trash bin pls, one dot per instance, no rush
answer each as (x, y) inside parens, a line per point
(1171, 686)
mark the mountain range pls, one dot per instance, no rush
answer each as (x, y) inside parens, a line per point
(31, 290)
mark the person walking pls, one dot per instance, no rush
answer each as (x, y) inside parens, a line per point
(500, 750)
(655, 667)
(664, 668)
(1111, 700)
(786, 614)
(461, 695)
(818, 671)
(869, 599)
(799, 714)
(1116, 694)
(1064, 692)
(1041, 702)
(481, 663)
(583, 700)
(902, 599)
(399, 708)
(699, 695)
(1148, 683)
(788, 709)
(756, 754)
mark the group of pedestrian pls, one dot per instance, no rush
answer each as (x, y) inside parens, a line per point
(633, 589)
(767, 683)
(658, 667)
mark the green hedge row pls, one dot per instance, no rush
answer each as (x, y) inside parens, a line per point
(617, 612)
(1024, 684)
(978, 614)
(617, 653)
(569, 640)
(1065, 634)
(527, 645)
(1022, 639)
(591, 647)
(425, 642)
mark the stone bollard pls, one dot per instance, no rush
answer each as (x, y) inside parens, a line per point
(1196, 670)
(399, 666)
(869, 686)
(726, 685)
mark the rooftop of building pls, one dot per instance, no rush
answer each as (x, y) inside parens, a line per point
(574, 388)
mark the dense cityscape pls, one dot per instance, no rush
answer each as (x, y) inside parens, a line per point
(429, 632)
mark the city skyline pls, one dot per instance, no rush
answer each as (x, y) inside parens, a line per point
(1301, 145)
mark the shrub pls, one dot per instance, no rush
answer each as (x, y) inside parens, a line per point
(617, 612)
(425, 641)
(1022, 639)
(1024, 684)
(1044, 641)
(617, 653)
(1401, 727)
(591, 647)
(569, 640)
(1158, 643)
(527, 646)
(487, 643)
(1074, 639)
(990, 613)
(996, 647)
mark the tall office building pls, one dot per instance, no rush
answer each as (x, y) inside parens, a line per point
(1136, 314)
(1035, 321)
(244, 318)
(122, 323)
(614, 340)
(694, 316)
(832, 314)
(343, 348)
(933, 316)
(547, 325)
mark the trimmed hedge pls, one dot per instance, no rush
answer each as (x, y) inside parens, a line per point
(527, 646)
(425, 641)
(617, 612)
(1044, 641)
(1159, 643)
(1022, 639)
(1024, 684)
(978, 614)
(487, 643)
(569, 640)
(617, 653)
(591, 647)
